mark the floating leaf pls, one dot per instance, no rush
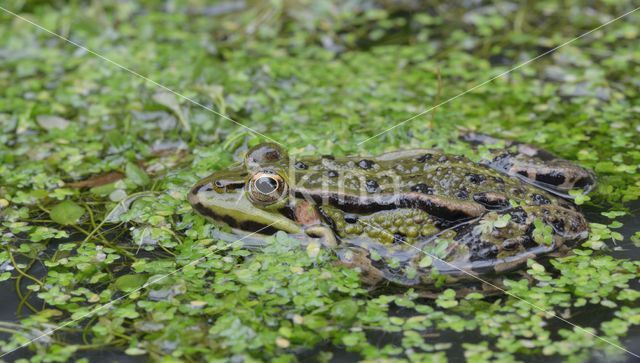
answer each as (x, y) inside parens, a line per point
(66, 213)
(537, 267)
(345, 309)
(502, 221)
(136, 175)
(170, 101)
(131, 282)
(49, 122)
(135, 351)
(313, 249)
(425, 262)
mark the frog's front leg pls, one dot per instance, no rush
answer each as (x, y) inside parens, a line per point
(313, 225)
(501, 241)
(324, 233)
(534, 165)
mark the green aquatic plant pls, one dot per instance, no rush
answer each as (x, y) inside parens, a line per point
(95, 165)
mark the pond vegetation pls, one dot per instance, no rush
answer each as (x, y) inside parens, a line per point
(95, 164)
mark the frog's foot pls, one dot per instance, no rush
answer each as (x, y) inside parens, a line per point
(254, 241)
(324, 234)
(495, 243)
(358, 258)
(349, 256)
(534, 165)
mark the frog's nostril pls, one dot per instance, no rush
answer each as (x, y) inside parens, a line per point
(200, 188)
(194, 194)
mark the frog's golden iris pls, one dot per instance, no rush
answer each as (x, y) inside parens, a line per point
(379, 212)
(266, 188)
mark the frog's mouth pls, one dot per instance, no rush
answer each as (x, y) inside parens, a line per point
(236, 210)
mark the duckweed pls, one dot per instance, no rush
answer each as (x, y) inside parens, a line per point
(99, 242)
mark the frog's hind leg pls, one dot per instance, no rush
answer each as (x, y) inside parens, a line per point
(493, 246)
(534, 165)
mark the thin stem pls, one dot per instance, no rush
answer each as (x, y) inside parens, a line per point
(15, 265)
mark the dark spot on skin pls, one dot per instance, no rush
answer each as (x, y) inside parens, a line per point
(510, 244)
(379, 264)
(528, 242)
(442, 159)
(398, 238)
(424, 158)
(332, 173)
(366, 164)
(524, 173)
(519, 192)
(480, 250)
(288, 212)
(351, 218)
(544, 155)
(583, 182)
(491, 200)
(539, 199)
(330, 157)
(300, 165)
(575, 224)
(488, 252)
(558, 225)
(462, 193)
(552, 178)
(422, 188)
(497, 179)
(518, 215)
(475, 178)
(327, 219)
(372, 186)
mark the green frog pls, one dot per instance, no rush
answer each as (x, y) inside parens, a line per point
(410, 218)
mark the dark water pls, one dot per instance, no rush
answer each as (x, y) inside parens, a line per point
(589, 316)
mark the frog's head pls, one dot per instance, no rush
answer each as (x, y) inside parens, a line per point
(250, 195)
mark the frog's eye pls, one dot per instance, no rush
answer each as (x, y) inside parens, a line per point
(265, 154)
(266, 187)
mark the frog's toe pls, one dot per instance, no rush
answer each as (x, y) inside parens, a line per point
(358, 258)
(325, 235)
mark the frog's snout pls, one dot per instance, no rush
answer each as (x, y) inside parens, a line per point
(196, 190)
(215, 192)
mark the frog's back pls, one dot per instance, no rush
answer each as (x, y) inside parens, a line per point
(415, 174)
(395, 208)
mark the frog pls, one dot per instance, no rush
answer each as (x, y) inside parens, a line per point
(415, 218)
